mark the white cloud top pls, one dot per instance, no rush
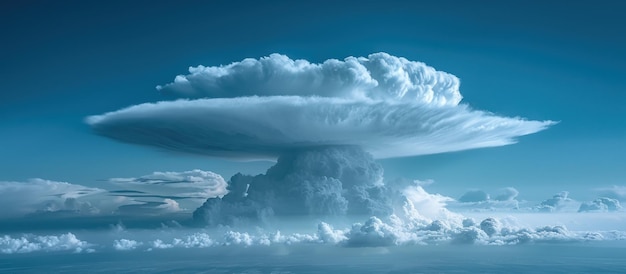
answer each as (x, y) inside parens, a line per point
(380, 76)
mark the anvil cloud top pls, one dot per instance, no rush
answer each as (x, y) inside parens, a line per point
(388, 105)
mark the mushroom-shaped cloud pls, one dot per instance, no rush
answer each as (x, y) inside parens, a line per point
(388, 105)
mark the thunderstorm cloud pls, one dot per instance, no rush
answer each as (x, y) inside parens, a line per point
(389, 106)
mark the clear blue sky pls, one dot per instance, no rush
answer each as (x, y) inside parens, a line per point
(562, 61)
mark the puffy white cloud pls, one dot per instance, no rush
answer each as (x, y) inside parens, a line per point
(389, 106)
(379, 76)
(327, 234)
(32, 243)
(424, 207)
(125, 244)
(602, 204)
(38, 195)
(196, 240)
(557, 202)
(378, 233)
(490, 226)
(193, 184)
(237, 238)
(373, 233)
(478, 200)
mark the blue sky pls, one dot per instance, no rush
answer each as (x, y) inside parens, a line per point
(103, 169)
(560, 61)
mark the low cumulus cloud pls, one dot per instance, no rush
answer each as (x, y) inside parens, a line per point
(422, 220)
(126, 244)
(374, 232)
(602, 204)
(559, 201)
(390, 106)
(32, 243)
(479, 200)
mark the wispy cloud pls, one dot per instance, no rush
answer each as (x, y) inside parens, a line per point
(39, 195)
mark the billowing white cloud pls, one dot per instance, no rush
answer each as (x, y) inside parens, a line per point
(379, 76)
(196, 240)
(125, 244)
(558, 202)
(602, 204)
(389, 106)
(330, 181)
(314, 182)
(38, 195)
(32, 243)
(375, 232)
(424, 207)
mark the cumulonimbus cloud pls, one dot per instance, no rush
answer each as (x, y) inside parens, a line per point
(262, 108)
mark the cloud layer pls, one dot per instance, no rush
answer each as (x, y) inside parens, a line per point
(39, 195)
(192, 184)
(390, 106)
(32, 243)
(153, 194)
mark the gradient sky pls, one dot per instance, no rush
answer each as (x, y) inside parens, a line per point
(561, 61)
